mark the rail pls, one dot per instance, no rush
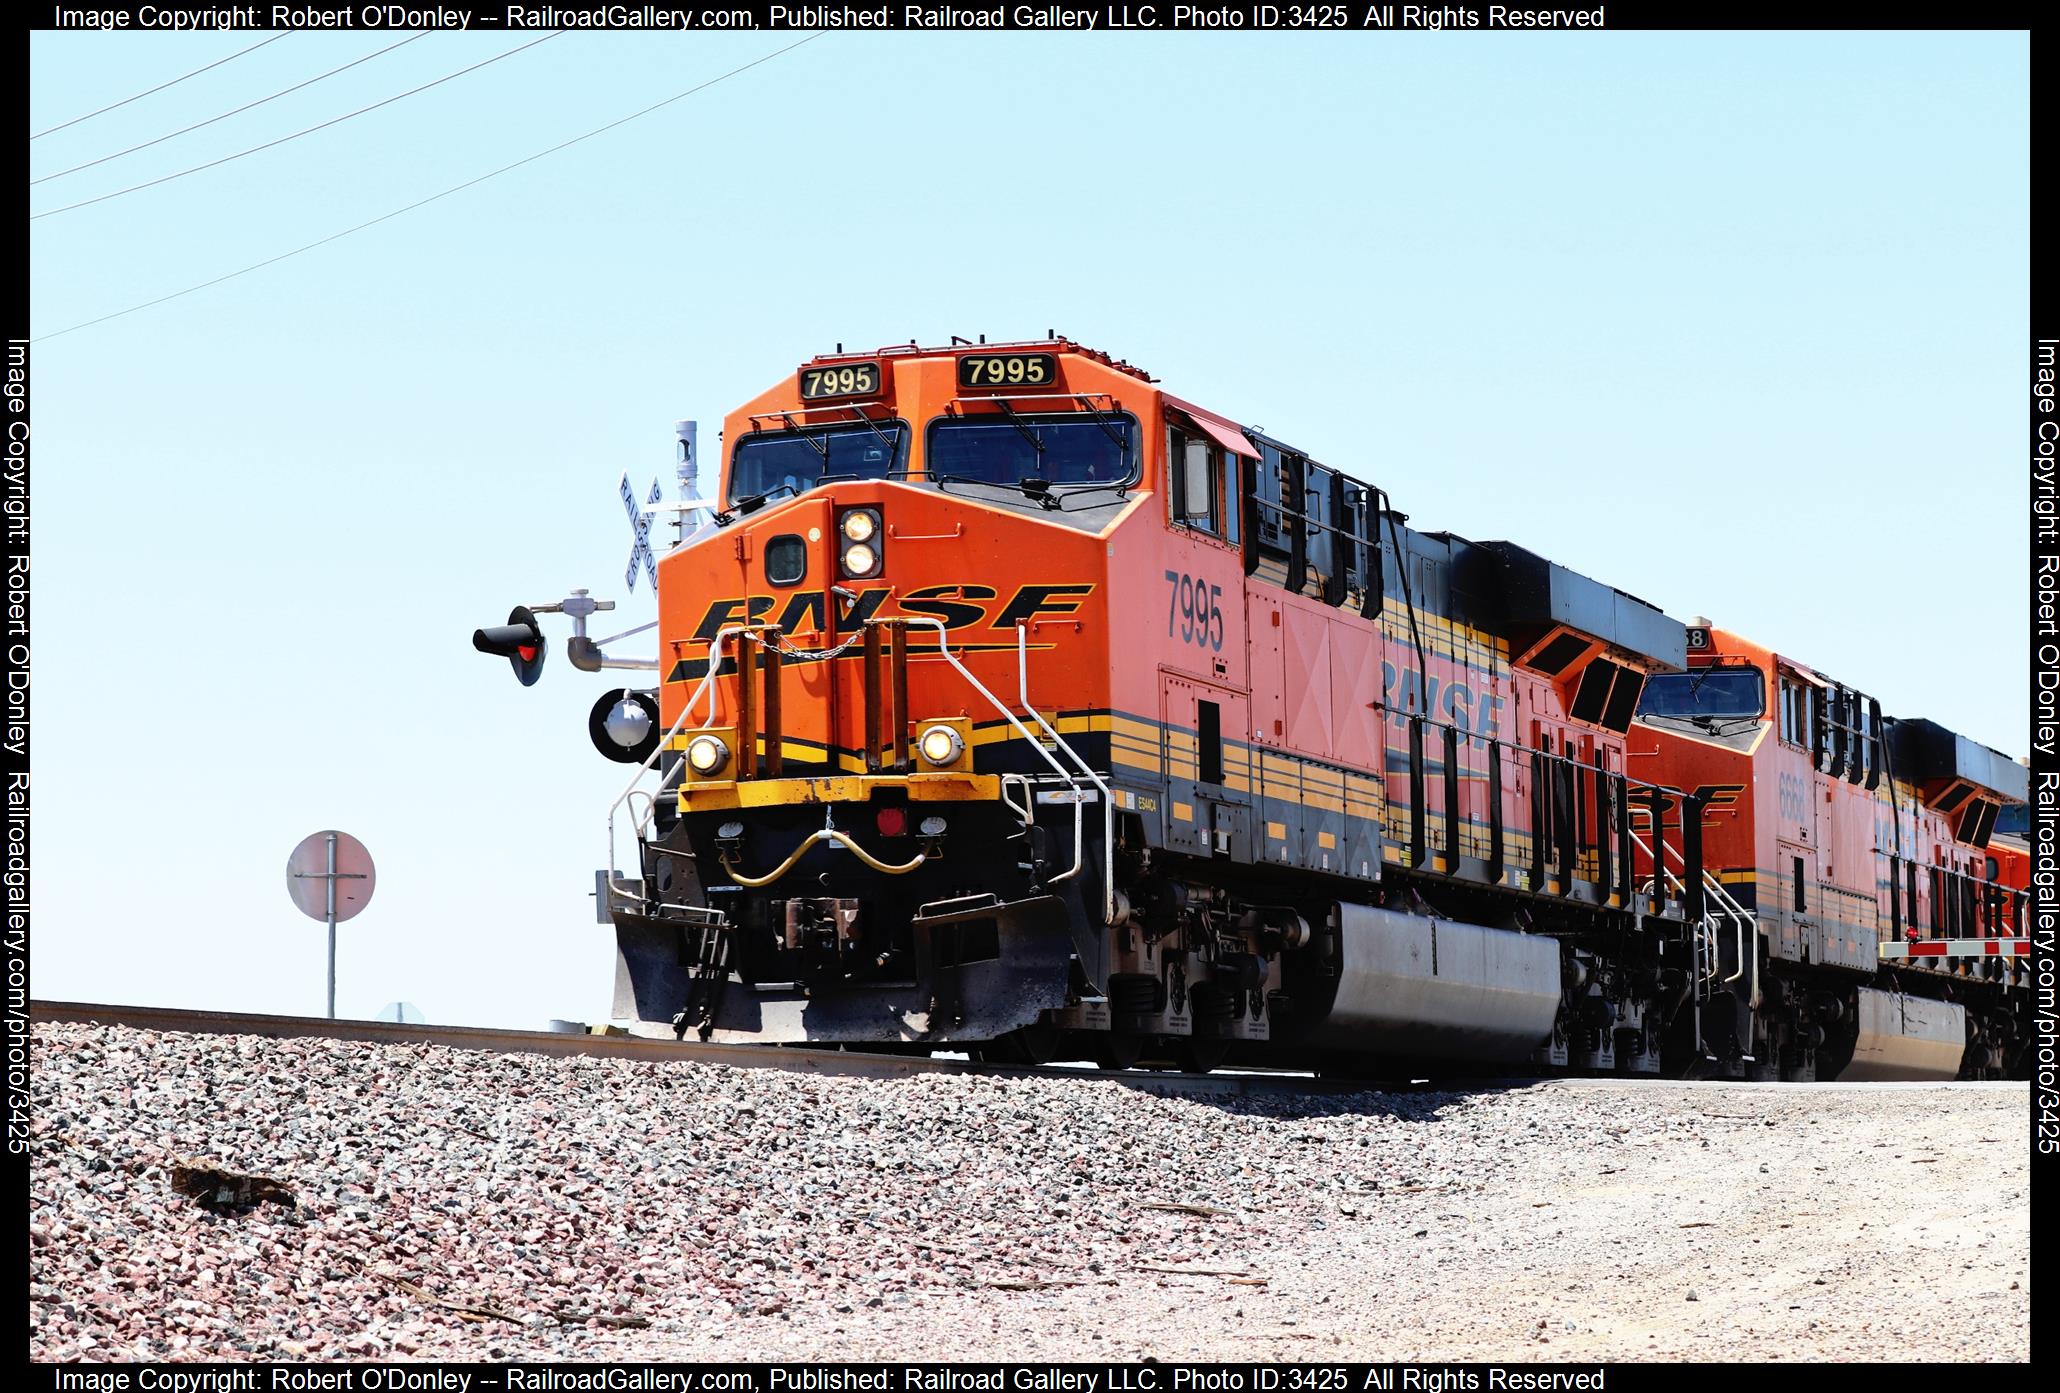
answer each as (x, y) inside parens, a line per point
(1929, 904)
(827, 1060)
(1579, 815)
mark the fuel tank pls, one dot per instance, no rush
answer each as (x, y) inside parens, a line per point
(1438, 989)
(1906, 1037)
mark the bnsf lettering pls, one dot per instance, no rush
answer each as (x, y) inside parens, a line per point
(803, 613)
(1473, 713)
(1041, 599)
(957, 605)
(725, 612)
(930, 601)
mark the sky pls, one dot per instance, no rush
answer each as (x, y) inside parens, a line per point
(1733, 322)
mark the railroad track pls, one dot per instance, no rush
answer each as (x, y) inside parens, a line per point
(794, 1060)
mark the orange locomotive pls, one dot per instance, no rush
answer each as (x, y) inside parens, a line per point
(1009, 702)
(1889, 934)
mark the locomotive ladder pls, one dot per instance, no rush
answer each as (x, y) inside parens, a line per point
(1720, 907)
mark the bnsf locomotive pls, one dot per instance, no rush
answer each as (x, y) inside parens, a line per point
(1006, 702)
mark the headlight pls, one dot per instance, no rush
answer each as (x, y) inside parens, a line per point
(940, 745)
(860, 560)
(706, 755)
(858, 533)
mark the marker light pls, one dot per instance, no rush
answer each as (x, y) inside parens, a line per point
(940, 745)
(707, 754)
(931, 827)
(859, 526)
(860, 560)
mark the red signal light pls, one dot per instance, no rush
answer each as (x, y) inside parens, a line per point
(521, 641)
(892, 822)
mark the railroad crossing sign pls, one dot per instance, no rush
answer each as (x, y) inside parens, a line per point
(329, 876)
(640, 521)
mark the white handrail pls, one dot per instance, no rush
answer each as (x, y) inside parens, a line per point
(1108, 798)
(1079, 847)
(1073, 781)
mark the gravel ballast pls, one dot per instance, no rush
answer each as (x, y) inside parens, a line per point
(467, 1205)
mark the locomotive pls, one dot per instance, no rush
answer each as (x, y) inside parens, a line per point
(1007, 703)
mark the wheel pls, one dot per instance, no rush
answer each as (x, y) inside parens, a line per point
(1030, 1044)
(1118, 1050)
(1200, 1053)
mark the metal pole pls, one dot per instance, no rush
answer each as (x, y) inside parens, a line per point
(330, 882)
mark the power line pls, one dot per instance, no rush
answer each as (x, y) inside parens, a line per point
(333, 121)
(227, 114)
(159, 88)
(424, 202)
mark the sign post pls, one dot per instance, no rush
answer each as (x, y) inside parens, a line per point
(329, 877)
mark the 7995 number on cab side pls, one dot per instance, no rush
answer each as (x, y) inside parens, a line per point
(1198, 607)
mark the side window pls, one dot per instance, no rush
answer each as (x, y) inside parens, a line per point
(1194, 464)
(1798, 712)
(1232, 491)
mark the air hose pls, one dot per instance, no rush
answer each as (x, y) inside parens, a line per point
(827, 834)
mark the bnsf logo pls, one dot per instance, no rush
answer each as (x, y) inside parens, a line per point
(959, 606)
(1714, 796)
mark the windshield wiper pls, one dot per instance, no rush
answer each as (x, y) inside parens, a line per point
(1075, 492)
(814, 442)
(1102, 419)
(751, 504)
(1017, 421)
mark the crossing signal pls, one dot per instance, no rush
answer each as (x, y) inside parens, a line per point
(624, 725)
(519, 640)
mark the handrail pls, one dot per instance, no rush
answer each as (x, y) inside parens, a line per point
(1072, 780)
(1108, 798)
(638, 777)
(1079, 847)
(1733, 910)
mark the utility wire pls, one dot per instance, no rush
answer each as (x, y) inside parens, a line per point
(159, 88)
(425, 202)
(227, 114)
(334, 120)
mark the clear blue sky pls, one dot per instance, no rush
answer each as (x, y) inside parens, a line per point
(1734, 322)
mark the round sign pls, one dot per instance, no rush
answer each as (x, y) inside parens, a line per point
(309, 869)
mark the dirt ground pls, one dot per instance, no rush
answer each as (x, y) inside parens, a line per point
(464, 1205)
(1828, 1222)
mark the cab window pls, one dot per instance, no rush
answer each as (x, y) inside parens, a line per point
(1195, 467)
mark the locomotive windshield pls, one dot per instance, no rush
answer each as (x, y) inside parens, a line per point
(1713, 693)
(1070, 449)
(769, 461)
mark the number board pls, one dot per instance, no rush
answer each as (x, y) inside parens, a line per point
(842, 380)
(1008, 370)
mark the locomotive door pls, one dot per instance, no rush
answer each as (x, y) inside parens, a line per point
(1208, 763)
(1793, 901)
